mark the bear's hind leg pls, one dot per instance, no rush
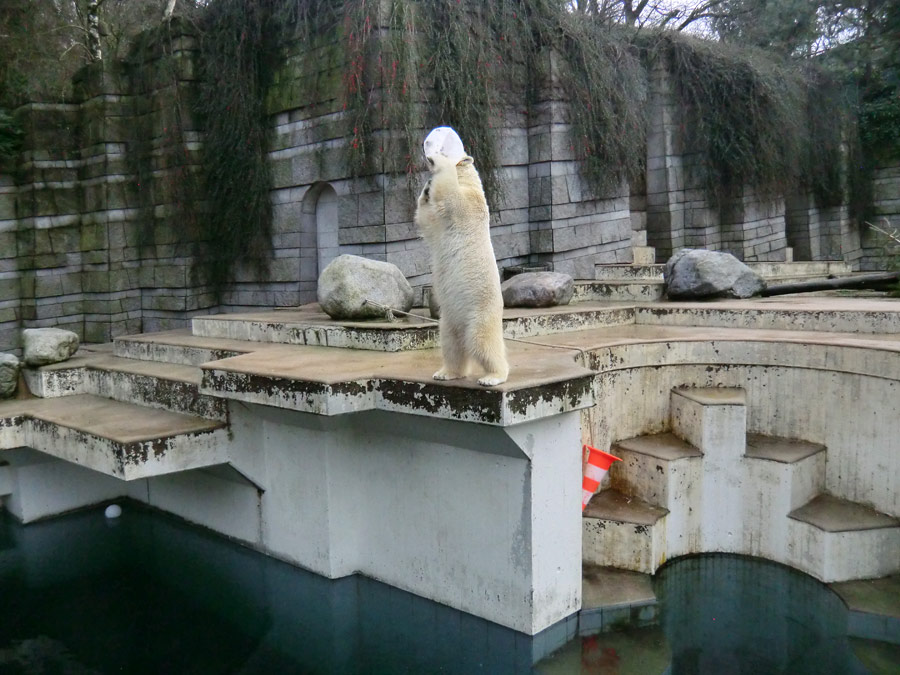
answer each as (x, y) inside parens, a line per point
(456, 361)
(490, 353)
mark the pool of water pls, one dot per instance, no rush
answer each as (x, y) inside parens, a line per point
(727, 614)
(149, 594)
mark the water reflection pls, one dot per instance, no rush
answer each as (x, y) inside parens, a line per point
(732, 615)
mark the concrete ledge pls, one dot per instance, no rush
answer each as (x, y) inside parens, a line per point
(118, 439)
(311, 327)
(806, 314)
(501, 407)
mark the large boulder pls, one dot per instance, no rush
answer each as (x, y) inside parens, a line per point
(538, 289)
(9, 374)
(349, 280)
(697, 273)
(48, 345)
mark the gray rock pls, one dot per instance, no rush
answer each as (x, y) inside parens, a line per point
(697, 273)
(349, 280)
(538, 289)
(48, 345)
(9, 374)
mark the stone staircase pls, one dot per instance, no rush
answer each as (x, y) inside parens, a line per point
(642, 280)
(709, 486)
(123, 417)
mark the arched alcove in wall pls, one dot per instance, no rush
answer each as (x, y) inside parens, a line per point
(318, 233)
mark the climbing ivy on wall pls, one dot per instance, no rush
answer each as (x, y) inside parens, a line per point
(10, 135)
(408, 65)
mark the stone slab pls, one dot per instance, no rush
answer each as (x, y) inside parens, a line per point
(777, 449)
(832, 514)
(613, 505)
(664, 446)
(873, 596)
(610, 586)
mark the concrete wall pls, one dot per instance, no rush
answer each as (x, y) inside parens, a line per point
(487, 520)
(852, 407)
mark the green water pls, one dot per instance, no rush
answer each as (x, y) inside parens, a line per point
(733, 615)
(149, 594)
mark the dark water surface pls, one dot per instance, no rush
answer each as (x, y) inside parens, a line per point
(149, 594)
(732, 615)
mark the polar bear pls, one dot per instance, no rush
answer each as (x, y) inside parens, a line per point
(452, 215)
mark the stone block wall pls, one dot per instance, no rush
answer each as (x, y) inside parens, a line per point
(678, 212)
(877, 251)
(753, 228)
(93, 242)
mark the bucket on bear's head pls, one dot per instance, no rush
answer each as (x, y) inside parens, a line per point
(597, 465)
(444, 141)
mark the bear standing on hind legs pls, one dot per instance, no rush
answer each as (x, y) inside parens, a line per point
(452, 214)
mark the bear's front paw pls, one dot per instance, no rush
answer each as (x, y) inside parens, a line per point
(491, 380)
(445, 375)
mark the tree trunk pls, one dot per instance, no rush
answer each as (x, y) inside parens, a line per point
(93, 30)
(170, 7)
(877, 281)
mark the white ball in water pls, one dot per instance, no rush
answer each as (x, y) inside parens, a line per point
(113, 511)
(444, 141)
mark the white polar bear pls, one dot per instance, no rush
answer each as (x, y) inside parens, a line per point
(452, 214)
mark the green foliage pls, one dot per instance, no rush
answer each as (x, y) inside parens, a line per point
(235, 66)
(10, 135)
(481, 66)
(823, 166)
(879, 121)
(607, 87)
(741, 115)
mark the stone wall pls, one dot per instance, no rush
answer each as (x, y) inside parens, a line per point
(878, 252)
(92, 242)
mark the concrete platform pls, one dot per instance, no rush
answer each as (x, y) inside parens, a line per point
(613, 599)
(155, 384)
(873, 606)
(776, 449)
(665, 446)
(325, 381)
(114, 438)
(831, 514)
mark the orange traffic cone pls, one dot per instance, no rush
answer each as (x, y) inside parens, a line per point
(597, 465)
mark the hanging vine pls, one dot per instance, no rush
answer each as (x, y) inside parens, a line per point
(407, 65)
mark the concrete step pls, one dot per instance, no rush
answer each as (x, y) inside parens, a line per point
(660, 469)
(643, 255)
(835, 539)
(778, 313)
(804, 268)
(178, 346)
(613, 599)
(123, 440)
(781, 475)
(772, 272)
(618, 291)
(626, 272)
(165, 386)
(624, 532)
(308, 325)
(714, 420)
